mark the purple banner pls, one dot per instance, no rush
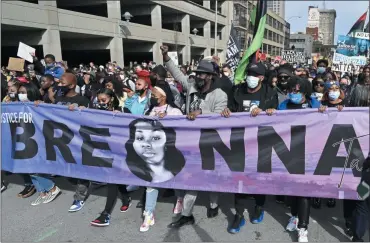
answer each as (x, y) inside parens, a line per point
(298, 152)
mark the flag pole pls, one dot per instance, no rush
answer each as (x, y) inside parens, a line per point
(215, 52)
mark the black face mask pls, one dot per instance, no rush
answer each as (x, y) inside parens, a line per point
(199, 83)
(101, 106)
(154, 101)
(343, 86)
(140, 92)
(61, 90)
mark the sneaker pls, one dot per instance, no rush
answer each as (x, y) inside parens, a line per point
(77, 205)
(302, 235)
(258, 215)
(348, 229)
(40, 199)
(280, 199)
(3, 186)
(148, 221)
(178, 207)
(102, 220)
(238, 223)
(316, 203)
(28, 191)
(125, 206)
(50, 196)
(293, 224)
(331, 203)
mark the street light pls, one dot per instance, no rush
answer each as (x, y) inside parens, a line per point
(127, 16)
(195, 31)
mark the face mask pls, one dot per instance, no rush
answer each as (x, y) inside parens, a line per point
(321, 70)
(50, 65)
(101, 106)
(61, 90)
(12, 96)
(199, 83)
(333, 95)
(227, 74)
(122, 76)
(140, 92)
(295, 98)
(294, 66)
(23, 97)
(154, 101)
(252, 82)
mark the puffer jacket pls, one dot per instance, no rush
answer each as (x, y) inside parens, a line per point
(215, 101)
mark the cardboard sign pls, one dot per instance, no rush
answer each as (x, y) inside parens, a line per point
(174, 57)
(293, 56)
(362, 35)
(15, 64)
(24, 51)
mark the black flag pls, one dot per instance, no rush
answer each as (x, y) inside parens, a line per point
(233, 49)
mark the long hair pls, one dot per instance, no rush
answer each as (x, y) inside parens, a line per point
(111, 94)
(174, 160)
(33, 93)
(117, 85)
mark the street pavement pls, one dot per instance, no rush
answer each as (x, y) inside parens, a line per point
(51, 222)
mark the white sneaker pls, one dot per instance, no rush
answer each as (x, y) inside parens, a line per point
(292, 225)
(302, 235)
(38, 200)
(178, 206)
(50, 196)
(148, 221)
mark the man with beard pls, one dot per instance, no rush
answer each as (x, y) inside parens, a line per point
(202, 97)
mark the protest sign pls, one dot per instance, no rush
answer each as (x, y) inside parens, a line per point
(350, 46)
(361, 35)
(358, 61)
(15, 64)
(173, 55)
(349, 68)
(292, 56)
(24, 51)
(279, 155)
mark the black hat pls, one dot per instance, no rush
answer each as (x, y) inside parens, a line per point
(205, 66)
(286, 69)
(256, 69)
(326, 62)
(160, 70)
(302, 84)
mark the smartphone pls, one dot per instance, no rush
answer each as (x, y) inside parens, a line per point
(363, 190)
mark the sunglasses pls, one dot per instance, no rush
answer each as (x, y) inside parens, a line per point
(320, 84)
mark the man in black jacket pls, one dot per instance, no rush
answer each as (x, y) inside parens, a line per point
(252, 96)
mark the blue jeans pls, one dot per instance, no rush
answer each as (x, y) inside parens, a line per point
(361, 219)
(42, 183)
(151, 199)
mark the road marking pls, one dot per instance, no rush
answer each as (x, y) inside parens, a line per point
(46, 235)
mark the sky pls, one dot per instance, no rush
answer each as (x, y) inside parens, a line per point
(347, 13)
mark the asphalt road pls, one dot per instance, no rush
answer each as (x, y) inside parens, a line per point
(51, 222)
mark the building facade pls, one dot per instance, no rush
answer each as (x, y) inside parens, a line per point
(327, 26)
(302, 43)
(277, 6)
(321, 25)
(124, 30)
(276, 31)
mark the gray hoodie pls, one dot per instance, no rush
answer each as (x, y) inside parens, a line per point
(215, 101)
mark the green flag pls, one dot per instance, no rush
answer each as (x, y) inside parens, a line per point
(259, 29)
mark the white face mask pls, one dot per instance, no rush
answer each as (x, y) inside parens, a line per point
(23, 97)
(122, 76)
(227, 74)
(252, 81)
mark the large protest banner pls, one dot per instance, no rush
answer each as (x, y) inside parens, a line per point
(350, 46)
(297, 152)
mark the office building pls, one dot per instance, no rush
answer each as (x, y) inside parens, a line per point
(276, 31)
(277, 6)
(116, 30)
(302, 43)
(321, 25)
